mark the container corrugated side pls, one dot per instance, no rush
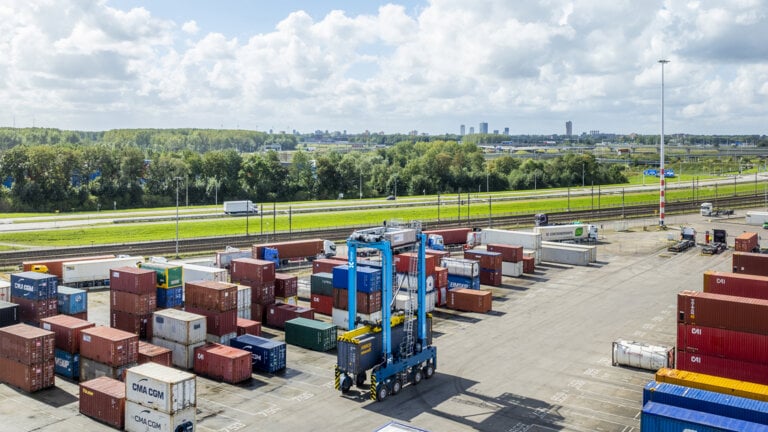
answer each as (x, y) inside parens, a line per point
(266, 355)
(216, 323)
(215, 296)
(27, 344)
(140, 325)
(723, 311)
(470, 300)
(153, 353)
(723, 367)
(29, 378)
(138, 419)
(71, 300)
(133, 280)
(168, 275)
(104, 400)
(737, 284)
(161, 387)
(246, 326)
(326, 265)
(90, 369)
(750, 263)
(170, 297)
(67, 331)
(750, 347)
(179, 326)
(223, 363)
(713, 383)
(310, 334)
(244, 297)
(34, 285)
(9, 313)
(95, 272)
(368, 279)
(182, 356)
(321, 283)
(657, 417)
(32, 311)
(109, 345)
(67, 364)
(321, 303)
(137, 304)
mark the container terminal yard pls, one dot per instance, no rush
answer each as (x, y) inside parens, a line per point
(540, 360)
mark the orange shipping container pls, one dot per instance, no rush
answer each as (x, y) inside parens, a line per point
(246, 326)
(110, 346)
(67, 330)
(470, 300)
(224, 363)
(155, 354)
(746, 242)
(211, 295)
(103, 399)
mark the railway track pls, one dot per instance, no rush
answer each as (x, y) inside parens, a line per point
(13, 259)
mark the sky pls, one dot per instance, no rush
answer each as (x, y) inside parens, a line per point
(392, 67)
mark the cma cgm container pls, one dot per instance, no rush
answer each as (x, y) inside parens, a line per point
(33, 286)
(9, 313)
(722, 311)
(724, 367)
(138, 418)
(310, 334)
(133, 280)
(266, 355)
(29, 378)
(155, 354)
(103, 399)
(94, 273)
(168, 275)
(713, 383)
(223, 363)
(656, 417)
(179, 326)
(750, 263)
(470, 300)
(55, 266)
(67, 331)
(746, 242)
(71, 301)
(736, 284)
(110, 346)
(161, 388)
(706, 401)
(211, 295)
(749, 347)
(27, 344)
(368, 278)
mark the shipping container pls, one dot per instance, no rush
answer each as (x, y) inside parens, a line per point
(310, 334)
(168, 298)
(244, 298)
(461, 267)
(578, 247)
(723, 367)
(27, 344)
(246, 326)
(161, 388)
(750, 263)
(278, 314)
(441, 296)
(470, 300)
(71, 301)
(103, 399)
(223, 363)
(288, 300)
(509, 253)
(321, 283)
(9, 313)
(258, 312)
(133, 280)
(216, 323)
(29, 378)
(33, 286)
(410, 282)
(736, 284)
(55, 266)
(297, 249)
(512, 269)
(140, 325)
(197, 273)
(326, 265)
(529, 265)
(155, 354)
(367, 303)
(321, 303)
(713, 383)
(266, 355)
(657, 417)
(642, 355)
(5, 290)
(340, 318)
(528, 240)
(746, 242)
(32, 311)
(140, 419)
(407, 262)
(368, 278)
(244, 313)
(487, 260)
(66, 330)
(167, 275)
(223, 339)
(224, 258)
(465, 282)
(182, 355)
(95, 273)
(706, 401)
(286, 285)
(256, 270)
(404, 300)
(490, 277)
(441, 277)
(451, 236)
(108, 345)
(749, 347)
(560, 254)
(215, 296)
(179, 326)
(137, 304)
(723, 311)
(90, 369)
(66, 364)
(261, 292)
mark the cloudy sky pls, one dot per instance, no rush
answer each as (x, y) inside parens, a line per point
(426, 65)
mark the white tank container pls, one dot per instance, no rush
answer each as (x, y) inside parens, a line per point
(179, 326)
(182, 356)
(139, 418)
(461, 266)
(161, 388)
(340, 318)
(642, 356)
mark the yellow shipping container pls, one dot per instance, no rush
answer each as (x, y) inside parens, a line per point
(713, 383)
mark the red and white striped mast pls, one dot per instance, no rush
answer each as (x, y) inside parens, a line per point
(662, 185)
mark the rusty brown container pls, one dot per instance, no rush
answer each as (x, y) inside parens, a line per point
(258, 312)
(746, 242)
(133, 280)
(326, 265)
(508, 253)
(488, 260)
(367, 303)
(29, 378)
(137, 304)
(140, 325)
(529, 265)
(103, 399)
(55, 266)
(32, 311)
(216, 323)
(245, 326)
(109, 346)
(470, 300)
(261, 292)
(249, 269)
(155, 354)
(441, 277)
(27, 344)
(451, 236)
(82, 315)
(723, 311)
(286, 285)
(322, 304)
(212, 295)
(750, 263)
(278, 314)
(405, 262)
(738, 284)
(66, 330)
(223, 363)
(490, 277)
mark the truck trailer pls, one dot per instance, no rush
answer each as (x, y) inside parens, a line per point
(94, 273)
(572, 232)
(240, 207)
(298, 250)
(756, 218)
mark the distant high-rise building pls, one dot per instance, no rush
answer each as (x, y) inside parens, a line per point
(506, 131)
(462, 130)
(483, 128)
(568, 128)
(471, 130)
(495, 131)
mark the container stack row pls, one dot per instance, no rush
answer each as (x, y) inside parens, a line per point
(72, 301)
(490, 265)
(107, 351)
(27, 357)
(133, 299)
(368, 297)
(181, 332)
(217, 302)
(36, 294)
(169, 283)
(259, 275)
(160, 398)
(67, 330)
(464, 292)
(512, 259)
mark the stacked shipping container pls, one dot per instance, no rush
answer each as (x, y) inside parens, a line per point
(243, 302)
(217, 301)
(133, 299)
(153, 353)
(266, 355)
(181, 332)
(259, 275)
(286, 289)
(72, 301)
(106, 351)
(321, 291)
(67, 354)
(162, 397)
(9, 313)
(27, 357)
(36, 294)
(169, 283)
(103, 399)
(368, 283)
(223, 363)
(490, 265)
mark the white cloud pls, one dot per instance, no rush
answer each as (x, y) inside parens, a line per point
(190, 27)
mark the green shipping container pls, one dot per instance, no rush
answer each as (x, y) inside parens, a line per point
(321, 284)
(310, 334)
(168, 276)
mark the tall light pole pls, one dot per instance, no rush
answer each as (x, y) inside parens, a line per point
(177, 179)
(662, 185)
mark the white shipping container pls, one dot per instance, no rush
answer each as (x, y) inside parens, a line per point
(94, 270)
(5, 290)
(161, 388)
(528, 240)
(224, 258)
(461, 266)
(141, 419)
(402, 300)
(591, 248)
(244, 313)
(243, 297)
(565, 255)
(182, 356)
(194, 272)
(224, 339)
(340, 318)
(512, 269)
(756, 218)
(643, 356)
(406, 281)
(179, 326)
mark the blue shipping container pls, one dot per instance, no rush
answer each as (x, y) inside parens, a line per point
(706, 401)
(658, 417)
(368, 278)
(34, 286)
(266, 355)
(466, 282)
(72, 300)
(170, 297)
(66, 364)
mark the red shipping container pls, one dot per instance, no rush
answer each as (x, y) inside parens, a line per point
(405, 262)
(258, 312)
(103, 399)
(211, 295)
(508, 253)
(736, 284)
(261, 293)
(451, 236)
(470, 300)
(439, 254)
(246, 326)
(155, 354)
(223, 363)
(749, 347)
(27, 344)
(140, 325)
(722, 367)
(217, 323)
(723, 311)
(278, 314)
(29, 378)
(441, 277)
(133, 280)
(56, 267)
(367, 303)
(746, 242)
(488, 277)
(489, 261)
(32, 311)
(286, 285)
(326, 265)
(322, 304)
(750, 263)
(138, 304)
(109, 346)
(250, 269)
(67, 330)
(529, 265)
(441, 296)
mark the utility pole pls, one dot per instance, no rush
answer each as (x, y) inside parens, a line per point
(662, 185)
(177, 179)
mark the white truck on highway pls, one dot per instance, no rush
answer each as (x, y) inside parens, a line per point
(571, 232)
(240, 207)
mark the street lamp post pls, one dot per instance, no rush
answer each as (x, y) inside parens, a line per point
(177, 179)
(662, 185)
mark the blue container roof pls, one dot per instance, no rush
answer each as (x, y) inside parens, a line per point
(34, 275)
(698, 418)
